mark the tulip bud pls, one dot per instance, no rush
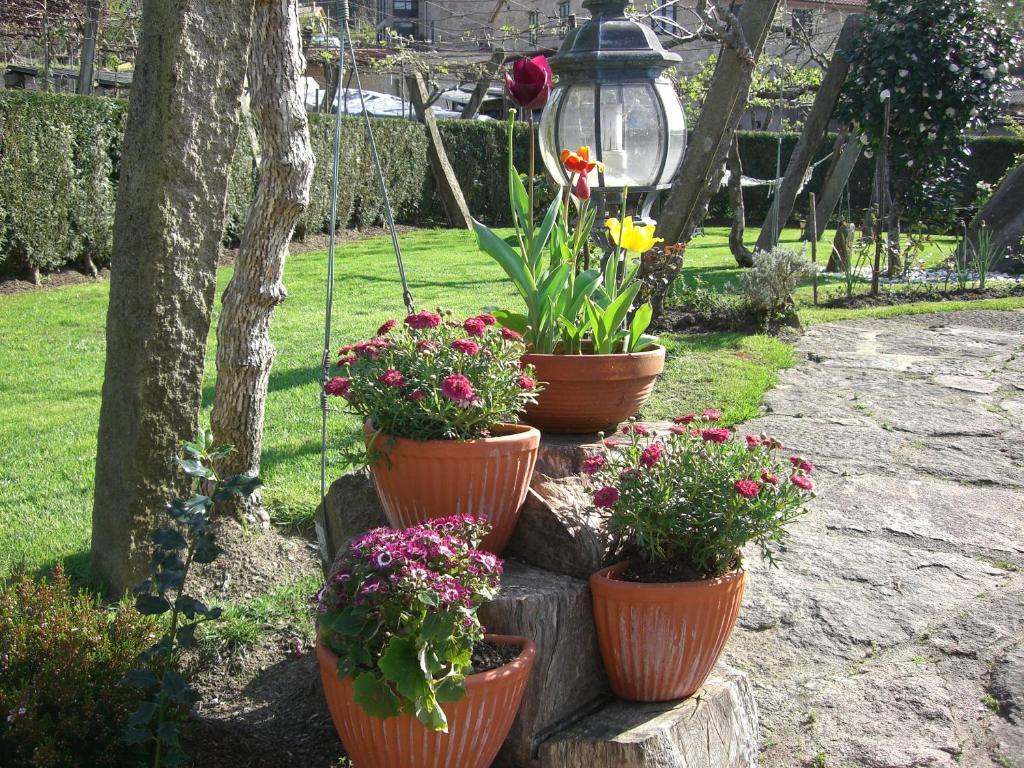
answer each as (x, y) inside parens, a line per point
(582, 189)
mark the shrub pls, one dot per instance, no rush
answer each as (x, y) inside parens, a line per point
(432, 379)
(768, 286)
(686, 503)
(63, 660)
(400, 613)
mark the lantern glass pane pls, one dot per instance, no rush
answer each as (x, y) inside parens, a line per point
(632, 135)
(549, 149)
(676, 131)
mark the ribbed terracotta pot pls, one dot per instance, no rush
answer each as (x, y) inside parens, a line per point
(588, 393)
(417, 481)
(477, 723)
(659, 642)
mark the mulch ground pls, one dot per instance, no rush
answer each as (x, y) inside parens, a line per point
(890, 298)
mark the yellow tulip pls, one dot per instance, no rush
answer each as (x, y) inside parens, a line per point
(636, 239)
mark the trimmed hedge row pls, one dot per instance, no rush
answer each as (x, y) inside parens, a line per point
(59, 157)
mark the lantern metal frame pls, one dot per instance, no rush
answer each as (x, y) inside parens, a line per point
(611, 49)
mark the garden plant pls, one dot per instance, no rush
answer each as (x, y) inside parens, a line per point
(403, 655)
(683, 506)
(439, 400)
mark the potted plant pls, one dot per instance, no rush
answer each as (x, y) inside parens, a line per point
(409, 675)
(684, 505)
(440, 400)
(584, 334)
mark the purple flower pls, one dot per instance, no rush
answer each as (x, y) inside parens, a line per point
(529, 82)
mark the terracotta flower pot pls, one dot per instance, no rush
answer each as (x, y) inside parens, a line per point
(477, 723)
(659, 642)
(417, 481)
(588, 393)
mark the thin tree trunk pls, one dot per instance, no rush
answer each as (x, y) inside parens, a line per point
(86, 66)
(181, 132)
(743, 255)
(700, 175)
(245, 353)
(1004, 216)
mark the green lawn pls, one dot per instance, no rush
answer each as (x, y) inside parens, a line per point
(51, 369)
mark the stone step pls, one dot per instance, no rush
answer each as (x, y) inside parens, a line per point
(568, 680)
(715, 728)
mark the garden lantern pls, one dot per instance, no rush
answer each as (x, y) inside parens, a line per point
(613, 96)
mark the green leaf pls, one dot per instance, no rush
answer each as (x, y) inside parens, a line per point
(451, 689)
(374, 696)
(400, 664)
(429, 713)
(239, 485)
(615, 313)
(543, 233)
(349, 622)
(521, 204)
(143, 714)
(515, 321)
(437, 627)
(140, 678)
(168, 538)
(195, 468)
(641, 321)
(508, 259)
(151, 605)
(190, 606)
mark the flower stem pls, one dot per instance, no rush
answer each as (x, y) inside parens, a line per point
(532, 169)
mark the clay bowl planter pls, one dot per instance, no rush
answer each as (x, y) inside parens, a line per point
(588, 393)
(659, 642)
(417, 481)
(477, 723)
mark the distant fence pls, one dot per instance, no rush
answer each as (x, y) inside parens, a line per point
(60, 156)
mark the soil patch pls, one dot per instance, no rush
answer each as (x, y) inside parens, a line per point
(891, 298)
(12, 285)
(488, 655)
(252, 562)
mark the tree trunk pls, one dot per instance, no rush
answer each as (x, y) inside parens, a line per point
(846, 154)
(1004, 216)
(743, 255)
(180, 136)
(842, 248)
(701, 172)
(810, 138)
(480, 91)
(244, 351)
(86, 67)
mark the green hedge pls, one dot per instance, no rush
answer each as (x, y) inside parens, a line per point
(59, 158)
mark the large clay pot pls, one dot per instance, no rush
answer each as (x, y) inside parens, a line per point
(589, 393)
(659, 642)
(417, 481)
(477, 724)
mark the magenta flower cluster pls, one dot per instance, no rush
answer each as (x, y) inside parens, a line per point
(695, 493)
(433, 377)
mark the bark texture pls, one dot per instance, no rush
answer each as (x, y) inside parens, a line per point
(701, 173)
(444, 176)
(245, 353)
(180, 136)
(845, 156)
(743, 255)
(811, 137)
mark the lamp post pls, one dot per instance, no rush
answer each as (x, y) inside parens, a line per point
(613, 95)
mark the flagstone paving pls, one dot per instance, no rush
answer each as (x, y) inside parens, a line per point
(892, 633)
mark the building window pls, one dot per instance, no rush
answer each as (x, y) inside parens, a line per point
(534, 23)
(666, 12)
(563, 19)
(406, 8)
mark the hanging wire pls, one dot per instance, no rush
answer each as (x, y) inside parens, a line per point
(325, 361)
(388, 213)
(345, 38)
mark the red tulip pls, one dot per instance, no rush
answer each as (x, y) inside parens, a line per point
(529, 83)
(583, 187)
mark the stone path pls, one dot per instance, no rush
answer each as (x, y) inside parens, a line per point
(892, 634)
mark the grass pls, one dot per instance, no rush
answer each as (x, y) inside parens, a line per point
(52, 357)
(51, 373)
(283, 610)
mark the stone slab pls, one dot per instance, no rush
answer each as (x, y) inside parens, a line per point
(568, 679)
(715, 728)
(560, 529)
(351, 507)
